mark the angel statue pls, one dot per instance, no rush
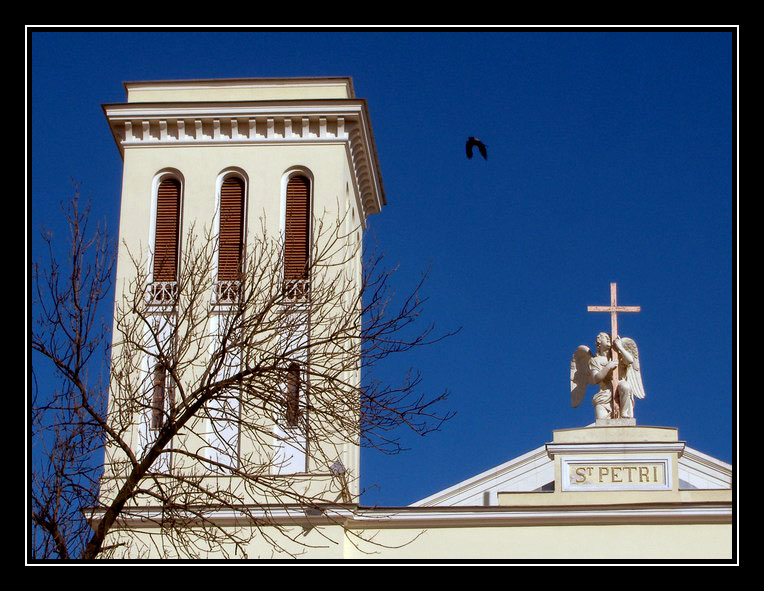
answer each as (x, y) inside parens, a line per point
(586, 368)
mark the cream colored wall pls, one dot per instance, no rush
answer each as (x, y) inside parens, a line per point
(659, 542)
(265, 167)
(589, 542)
(326, 543)
(626, 497)
(200, 166)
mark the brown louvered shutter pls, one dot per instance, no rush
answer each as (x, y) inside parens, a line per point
(293, 395)
(167, 230)
(297, 226)
(231, 229)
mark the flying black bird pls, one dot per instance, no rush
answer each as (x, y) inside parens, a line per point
(472, 142)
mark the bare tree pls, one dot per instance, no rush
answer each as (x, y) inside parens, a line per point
(215, 388)
(68, 416)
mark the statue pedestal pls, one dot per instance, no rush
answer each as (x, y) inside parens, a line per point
(616, 422)
(616, 456)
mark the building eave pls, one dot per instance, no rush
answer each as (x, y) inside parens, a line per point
(359, 518)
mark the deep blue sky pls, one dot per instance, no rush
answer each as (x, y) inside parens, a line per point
(611, 158)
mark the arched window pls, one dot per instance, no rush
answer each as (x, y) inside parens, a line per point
(223, 437)
(297, 238)
(167, 231)
(231, 233)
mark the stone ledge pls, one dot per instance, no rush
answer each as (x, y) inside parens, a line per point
(615, 433)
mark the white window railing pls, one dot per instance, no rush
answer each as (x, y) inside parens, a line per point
(162, 293)
(226, 292)
(297, 290)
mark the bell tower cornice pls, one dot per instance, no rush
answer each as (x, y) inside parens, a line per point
(136, 125)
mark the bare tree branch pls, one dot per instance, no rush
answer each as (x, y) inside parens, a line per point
(69, 421)
(203, 396)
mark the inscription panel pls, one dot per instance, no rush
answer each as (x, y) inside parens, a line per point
(593, 474)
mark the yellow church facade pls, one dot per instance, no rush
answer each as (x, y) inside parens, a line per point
(195, 150)
(618, 493)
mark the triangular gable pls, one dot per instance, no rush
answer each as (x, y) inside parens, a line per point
(534, 471)
(701, 471)
(528, 472)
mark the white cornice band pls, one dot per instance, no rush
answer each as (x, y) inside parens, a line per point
(416, 518)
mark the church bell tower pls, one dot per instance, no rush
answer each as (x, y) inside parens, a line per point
(244, 204)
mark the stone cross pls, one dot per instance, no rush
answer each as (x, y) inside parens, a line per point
(613, 308)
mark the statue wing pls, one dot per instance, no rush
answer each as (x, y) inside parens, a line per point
(634, 373)
(580, 374)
